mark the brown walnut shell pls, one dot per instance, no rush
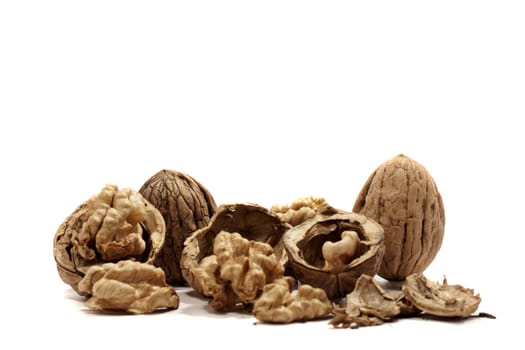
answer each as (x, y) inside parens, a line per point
(304, 245)
(186, 206)
(402, 196)
(71, 261)
(251, 221)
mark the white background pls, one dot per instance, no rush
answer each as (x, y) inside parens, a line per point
(262, 102)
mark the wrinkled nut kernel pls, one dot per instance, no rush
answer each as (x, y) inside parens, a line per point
(403, 198)
(440, 299)
(128, 286)
(302, 209)
(112, 225)
(237, 271)
(339, 254)
(251, 221)
(318, 256)
(186, 206)
(278, 305)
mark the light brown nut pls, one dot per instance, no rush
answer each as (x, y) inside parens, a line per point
(367, 305)
(237, 271)
(278, 305)
(440, 299)
(302, 209)
(337, 276)
(186, 206)
(112, 225)
(128, 286)
(402, 197)
(251, 221)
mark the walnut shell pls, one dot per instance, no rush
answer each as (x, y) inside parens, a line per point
(304, 244)
(100, 230)
(186, 205)
(402, 196)
(251, 221)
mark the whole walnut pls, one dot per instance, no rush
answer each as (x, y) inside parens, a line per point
(402, 196)
(186, 206)
(113, 225)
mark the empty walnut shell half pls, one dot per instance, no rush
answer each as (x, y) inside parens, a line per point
(402, 197)
(251, 221)
(111, 226)
(332, 251)
(186, 205)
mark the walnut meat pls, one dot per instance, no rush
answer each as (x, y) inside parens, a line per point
(237, 271)
(302, 209)
(186, 205)
(128, 286)
(332, 251)
(115, 224)
(402, 197)
(251, 221)
(278, 305)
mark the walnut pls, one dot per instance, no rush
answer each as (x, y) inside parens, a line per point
(251, 221)
(237, 271)
(402, 197)
(440, 299)
(128, 286)
(278, 305)
(112, 225)
(302, 209)
(332, 251)
(186, 205)
(367, 305)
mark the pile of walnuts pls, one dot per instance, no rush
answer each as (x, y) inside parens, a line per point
(129, 250)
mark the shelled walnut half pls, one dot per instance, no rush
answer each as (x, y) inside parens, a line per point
(332, 251)
(116, 224)
(128, 286)
(278, 305)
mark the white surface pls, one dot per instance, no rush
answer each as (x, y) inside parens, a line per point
(264, 103)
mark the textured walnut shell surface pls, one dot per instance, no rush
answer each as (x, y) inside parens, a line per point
(304, 242)
(251, 221)
(186, 206)
(72, 267)
(402, 196)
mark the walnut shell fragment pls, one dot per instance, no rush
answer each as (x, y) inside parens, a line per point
(251, 221)
(116, 224)
(368, 305)
(440, 299)
(403, 198)
(186, 206)
(277, 304)
(302, 209)
(128, 286)
(237, 271)
(336, 271)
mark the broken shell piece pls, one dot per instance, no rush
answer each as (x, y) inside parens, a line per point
(440, 299)
(367, 305)
(128, 286)
(277, 305)
(338, 274)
